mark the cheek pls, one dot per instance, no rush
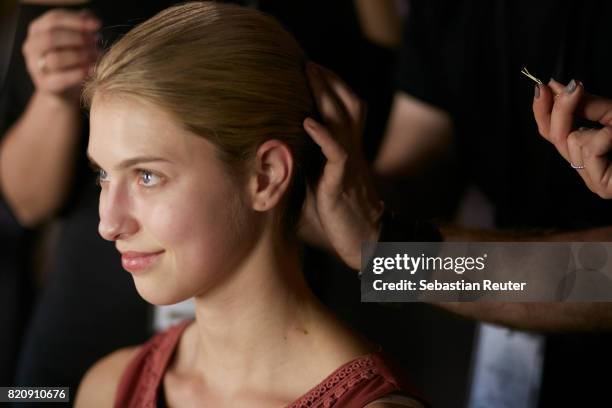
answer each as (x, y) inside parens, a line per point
(171, 224)
(200, 232)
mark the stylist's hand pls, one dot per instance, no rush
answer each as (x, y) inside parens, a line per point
(344, 210)
(60, 49)
(587, 150)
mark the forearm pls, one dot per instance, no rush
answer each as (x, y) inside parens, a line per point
(37, 158)
(453, 233)
(417, 135)
(538, 317)
(534, 316)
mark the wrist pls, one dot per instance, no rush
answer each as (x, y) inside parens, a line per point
(371, 237)
(58, 103)
(393, 228)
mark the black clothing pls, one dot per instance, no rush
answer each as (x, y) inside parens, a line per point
(465, 57)
(15, 241)
(16, 290)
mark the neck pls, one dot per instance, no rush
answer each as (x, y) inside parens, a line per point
(247, 326)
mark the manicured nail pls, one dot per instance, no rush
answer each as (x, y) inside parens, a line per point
(571, 87)
(537, 91)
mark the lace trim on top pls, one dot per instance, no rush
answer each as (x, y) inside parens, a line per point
(154, 365)
(324, 395)
(336, 384)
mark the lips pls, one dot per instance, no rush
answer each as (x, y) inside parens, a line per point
(133, 261)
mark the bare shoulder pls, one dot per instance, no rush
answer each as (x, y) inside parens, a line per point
(99, 385)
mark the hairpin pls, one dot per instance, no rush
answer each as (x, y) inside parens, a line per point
(528, 75)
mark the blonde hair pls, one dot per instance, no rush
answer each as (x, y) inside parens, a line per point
(227, 73)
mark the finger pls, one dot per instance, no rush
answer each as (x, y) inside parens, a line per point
(333, 151)
(557, 87)
(63, 80)
(336, 155)
(66, 59)
(60, 18)
(597, 109)
(575, 141)
(562, 116)
(354, 106)
(60, 38)
(592, 107)
(326, 100)
(597, 163)
(542, 108)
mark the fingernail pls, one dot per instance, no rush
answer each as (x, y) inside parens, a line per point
(537, 91)
(571, 87)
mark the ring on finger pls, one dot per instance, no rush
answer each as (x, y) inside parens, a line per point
(575, 140)
(577, 166)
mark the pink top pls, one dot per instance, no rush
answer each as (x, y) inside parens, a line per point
(353, 385)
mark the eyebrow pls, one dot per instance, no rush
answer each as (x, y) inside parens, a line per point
(131, 162)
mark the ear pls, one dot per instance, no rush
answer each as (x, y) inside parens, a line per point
(273, 168)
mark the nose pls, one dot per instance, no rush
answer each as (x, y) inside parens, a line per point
(116, 220)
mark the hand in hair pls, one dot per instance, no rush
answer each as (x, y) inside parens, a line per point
(344, 208)
(587, 150)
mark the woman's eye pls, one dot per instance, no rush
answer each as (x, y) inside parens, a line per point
(101, 177)
(147, 178)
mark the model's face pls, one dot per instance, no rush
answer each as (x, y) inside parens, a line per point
(166, 200)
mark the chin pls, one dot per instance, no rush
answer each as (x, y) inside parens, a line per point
(160, 295)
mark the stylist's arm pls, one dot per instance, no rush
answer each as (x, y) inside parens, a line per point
(38, 152)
